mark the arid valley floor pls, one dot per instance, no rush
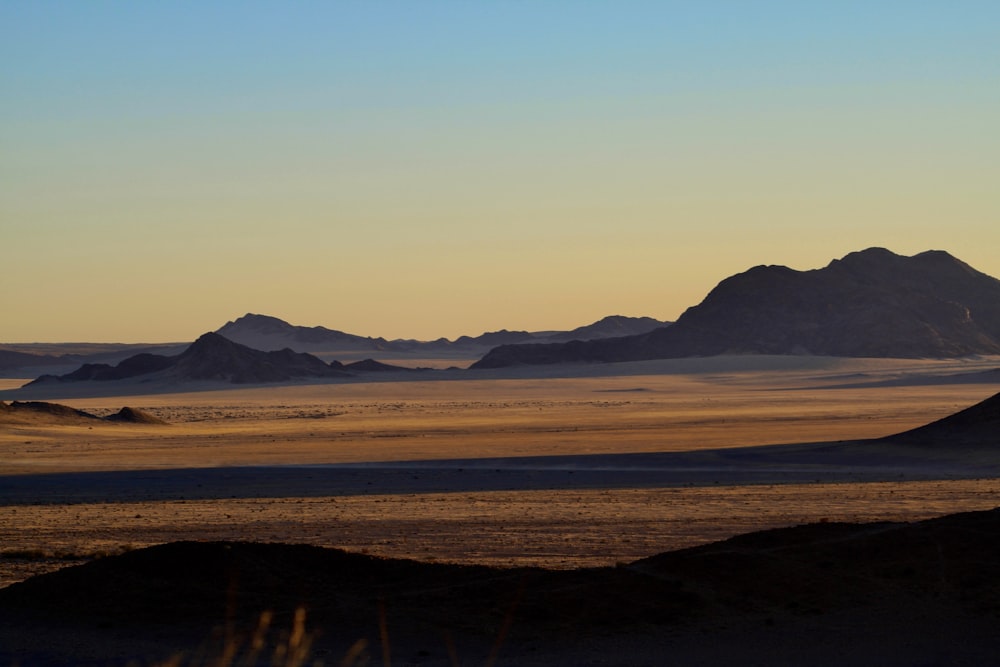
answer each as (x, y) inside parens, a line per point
(562, 468)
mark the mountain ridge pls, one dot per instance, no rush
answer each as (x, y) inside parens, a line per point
(870, 303)
(211, 357)
(266, 332)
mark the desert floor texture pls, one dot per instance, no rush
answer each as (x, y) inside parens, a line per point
(554, 467)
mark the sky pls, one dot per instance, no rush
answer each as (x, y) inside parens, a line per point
(428, 169)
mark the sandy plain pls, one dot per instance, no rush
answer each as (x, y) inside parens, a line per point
(558, 467)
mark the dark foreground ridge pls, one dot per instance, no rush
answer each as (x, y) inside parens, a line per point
(820, 594)
(872, 303)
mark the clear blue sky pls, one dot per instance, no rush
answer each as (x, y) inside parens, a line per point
(425, 169)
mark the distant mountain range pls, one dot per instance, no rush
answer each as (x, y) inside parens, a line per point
(213, 358)
(871, 303)
(263, 332)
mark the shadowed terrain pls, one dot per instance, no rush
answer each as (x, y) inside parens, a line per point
(798, 592)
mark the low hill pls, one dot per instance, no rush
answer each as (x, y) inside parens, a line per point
(134, 416)
(872, 303)
(373, 366)
(35, 413)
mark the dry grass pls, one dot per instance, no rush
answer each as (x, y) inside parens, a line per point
(557, 529)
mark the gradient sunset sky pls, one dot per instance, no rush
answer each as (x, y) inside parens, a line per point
(424, 169)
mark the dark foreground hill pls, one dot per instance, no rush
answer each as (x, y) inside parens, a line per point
(821, 594)
(872, 303)
(212, 357)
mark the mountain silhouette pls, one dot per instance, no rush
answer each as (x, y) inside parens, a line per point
(264, 332)
(214, 357)
(211, 357)
(871, 303)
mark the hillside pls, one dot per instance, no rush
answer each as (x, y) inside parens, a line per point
(872, 303)
(978, 424)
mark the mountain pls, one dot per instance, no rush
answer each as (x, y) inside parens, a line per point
(211, 357)
(214, 357)
(264, 332)
(871, 303)
(612, 326)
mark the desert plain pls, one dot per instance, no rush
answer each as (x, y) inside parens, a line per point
(559, 467)
(563, 468)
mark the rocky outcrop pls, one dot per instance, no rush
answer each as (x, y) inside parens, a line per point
(214, 357)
